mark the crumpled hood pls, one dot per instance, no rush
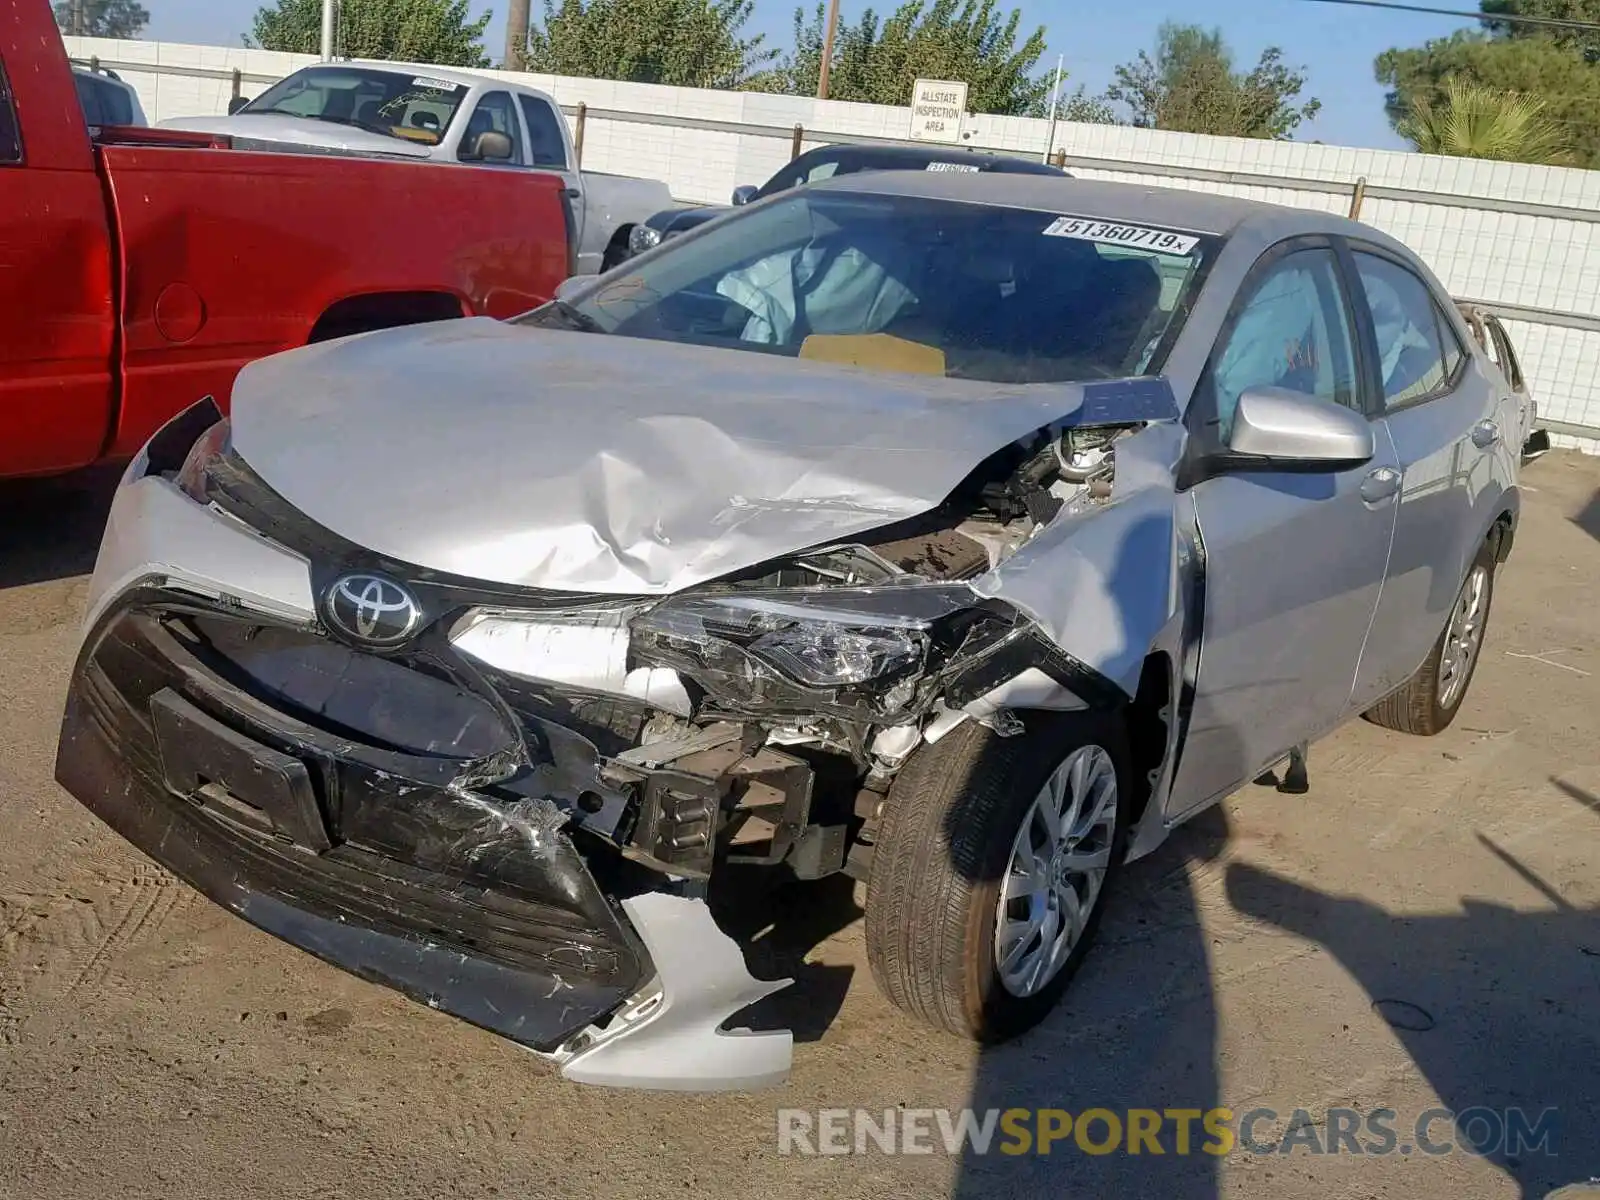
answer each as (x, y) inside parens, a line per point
(594, 463)
(277, 129)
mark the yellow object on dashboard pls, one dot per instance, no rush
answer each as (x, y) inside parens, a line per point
(880, 351)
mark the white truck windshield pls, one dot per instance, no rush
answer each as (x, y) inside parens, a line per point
(398, 104)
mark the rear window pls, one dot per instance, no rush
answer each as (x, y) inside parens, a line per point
(544, 131)
(116, 106)
(104, 102)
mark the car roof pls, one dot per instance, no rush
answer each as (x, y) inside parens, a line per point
(1133, 203)
(920, 156)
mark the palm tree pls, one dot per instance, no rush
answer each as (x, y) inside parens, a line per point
(1474, 121)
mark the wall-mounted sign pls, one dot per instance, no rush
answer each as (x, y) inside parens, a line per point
(938, 107)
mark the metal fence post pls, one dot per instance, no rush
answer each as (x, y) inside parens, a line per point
(578, 125)
(94, 64)
(1357, 195)
(238, 83)
(796, 141)
(1059, 159)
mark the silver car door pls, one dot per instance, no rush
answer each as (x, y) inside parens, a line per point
(1293, 562)
(1453, 420)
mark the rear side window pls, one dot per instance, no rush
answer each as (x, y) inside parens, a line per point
(116, 107)
(10, 140)
(544, 131)
(1418, 350)
(89, 98)
(1505, 355)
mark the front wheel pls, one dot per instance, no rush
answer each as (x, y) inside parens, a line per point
(1427, 702)
(991, 866)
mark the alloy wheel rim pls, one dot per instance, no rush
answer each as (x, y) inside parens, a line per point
(1056, 872)
(1463, 637)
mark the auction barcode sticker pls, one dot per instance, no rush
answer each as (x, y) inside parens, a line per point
(438, 85)
(1112, 233)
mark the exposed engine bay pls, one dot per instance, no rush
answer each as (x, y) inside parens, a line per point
(998, 508)
(771, 723)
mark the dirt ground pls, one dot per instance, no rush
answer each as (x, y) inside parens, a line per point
(1422, 930)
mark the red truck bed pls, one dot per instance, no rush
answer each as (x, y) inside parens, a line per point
(136, 278)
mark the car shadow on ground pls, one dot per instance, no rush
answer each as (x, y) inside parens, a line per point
(1137, 1029)
(1476, 998)
(778, 923)
(1588, 517)
(52, 527)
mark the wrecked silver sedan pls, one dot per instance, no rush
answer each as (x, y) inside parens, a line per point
(963, 534)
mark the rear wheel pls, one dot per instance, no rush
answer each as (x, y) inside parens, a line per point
(1427, 702)
(991, 867)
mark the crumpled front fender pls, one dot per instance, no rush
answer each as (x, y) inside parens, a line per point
(1102, 585)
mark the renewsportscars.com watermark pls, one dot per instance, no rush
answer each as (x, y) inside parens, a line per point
(1151, 1131)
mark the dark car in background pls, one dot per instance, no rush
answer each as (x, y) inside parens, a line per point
(824, 163)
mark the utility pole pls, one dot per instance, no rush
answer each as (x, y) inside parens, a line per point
(78, 18)
(330, 23)
(517, 34)
(827, 49)
(1055, 107)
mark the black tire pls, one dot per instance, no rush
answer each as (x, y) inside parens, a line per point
(1415, 707)
(940, 859)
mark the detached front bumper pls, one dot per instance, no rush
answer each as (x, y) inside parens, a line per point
(347, 851)
(317, 791)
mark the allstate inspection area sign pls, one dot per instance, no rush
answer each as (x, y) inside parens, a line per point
(938, 107)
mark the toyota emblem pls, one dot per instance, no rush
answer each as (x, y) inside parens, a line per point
(372, 609)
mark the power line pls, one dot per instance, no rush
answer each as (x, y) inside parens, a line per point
(1508, 18)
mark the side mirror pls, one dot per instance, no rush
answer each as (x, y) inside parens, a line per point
(492, 146)
(236, 103)
(744, 193)
(1281, 429)
(570, 287)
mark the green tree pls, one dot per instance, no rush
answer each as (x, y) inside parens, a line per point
(878, 61)
(1557, 67)
(1478, 122)
(104, 18)
(428, 31)
(1189, 84)
(687, 43)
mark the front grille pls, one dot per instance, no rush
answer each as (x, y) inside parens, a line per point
(380, 701)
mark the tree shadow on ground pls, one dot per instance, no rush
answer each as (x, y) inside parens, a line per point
(1487, 1000)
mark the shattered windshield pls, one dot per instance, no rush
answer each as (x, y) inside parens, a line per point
(398, 104)
(910, 284)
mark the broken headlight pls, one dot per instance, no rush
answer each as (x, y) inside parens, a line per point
(194, 476)
(856, 651)
(642, 238)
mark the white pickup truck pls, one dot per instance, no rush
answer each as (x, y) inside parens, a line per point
(427, 112)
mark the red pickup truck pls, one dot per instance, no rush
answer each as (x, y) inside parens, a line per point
(140, 269)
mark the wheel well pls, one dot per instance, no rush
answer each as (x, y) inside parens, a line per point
(383, 310)
(618, 243)
(1502, 534)
(1148, 727)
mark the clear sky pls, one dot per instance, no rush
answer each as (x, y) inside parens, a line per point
(1337, 44)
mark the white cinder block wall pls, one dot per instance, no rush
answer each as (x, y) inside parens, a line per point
(1473, 226)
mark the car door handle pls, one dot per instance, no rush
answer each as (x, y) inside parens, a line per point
(1485, 434)
(1380, 485)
